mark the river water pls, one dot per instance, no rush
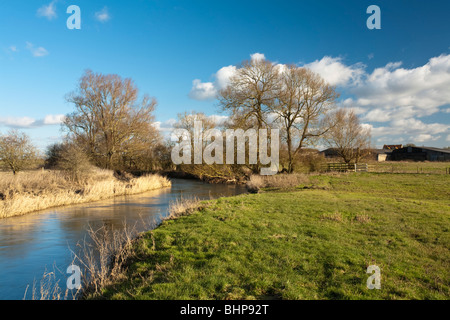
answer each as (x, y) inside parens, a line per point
(34, 244)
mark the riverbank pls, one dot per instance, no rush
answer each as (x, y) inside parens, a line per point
(314, 241)
(37, 190)
(205, 178)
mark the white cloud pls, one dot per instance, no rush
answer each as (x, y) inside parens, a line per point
(448, 138)
(28, 122)
(400, 92)
(48, 11)
(218, 119)
(17, 122)
(416, 130)
(166, 126)
(393, 92)
(257, 57)
(223, 76)
(377, 115)
(13, 49)
(400, 96)
(331, 69)
(54, 119)
(335, 72)
(36, 52)
(103, 15)
(40, 52)
(209, 90)
(424, 138)
(202, 90)
(417, 126)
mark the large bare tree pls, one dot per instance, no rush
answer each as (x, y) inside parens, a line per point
(303, 98)
(248, 97)
(17, 151)
(108, 120)
(297, 98)
(250, 92)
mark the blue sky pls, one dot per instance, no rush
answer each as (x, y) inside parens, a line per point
(181, 52)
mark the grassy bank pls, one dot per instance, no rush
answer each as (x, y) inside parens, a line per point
(306, 243)
(37, 190)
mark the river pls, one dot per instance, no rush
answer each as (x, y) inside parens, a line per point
(42, 242)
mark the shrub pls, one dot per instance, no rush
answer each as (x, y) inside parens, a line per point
(69, 158)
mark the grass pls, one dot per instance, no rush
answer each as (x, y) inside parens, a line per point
(304, 243)
(37, 190)
(410, 167)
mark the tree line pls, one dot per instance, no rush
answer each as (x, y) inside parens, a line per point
(112, 127)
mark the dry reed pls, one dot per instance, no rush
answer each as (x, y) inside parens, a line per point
(183, 207)
(102, 257)
(282, 181)
(37, 190)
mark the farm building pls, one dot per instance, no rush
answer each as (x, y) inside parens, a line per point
(421, 154)
(379, 155)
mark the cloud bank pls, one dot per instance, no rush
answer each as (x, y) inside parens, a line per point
(27, 122)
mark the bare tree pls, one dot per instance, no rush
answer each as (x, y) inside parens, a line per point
(108, 117)
(248, 96)
(348, 136)
(187, 121)
(303, 99)
(250, 92)
(16, 151)
(203, 169)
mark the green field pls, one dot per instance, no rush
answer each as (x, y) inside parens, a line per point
(313, 242)
(410, 167)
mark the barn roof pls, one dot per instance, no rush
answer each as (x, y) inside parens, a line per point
(429, 149)
(436, 149)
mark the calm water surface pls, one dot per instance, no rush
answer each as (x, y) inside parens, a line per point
(43, 242)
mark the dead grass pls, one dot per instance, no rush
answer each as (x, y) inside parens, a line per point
(334, 216)
(37, 190)
(280, 181)
(183, 207)
(103, 257)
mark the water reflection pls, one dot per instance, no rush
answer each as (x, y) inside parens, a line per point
(35, 243)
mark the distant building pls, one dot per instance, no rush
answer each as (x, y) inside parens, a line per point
(420, 154)
(330, 153)
(380, 155)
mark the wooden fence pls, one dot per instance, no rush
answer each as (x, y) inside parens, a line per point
(347, 167)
